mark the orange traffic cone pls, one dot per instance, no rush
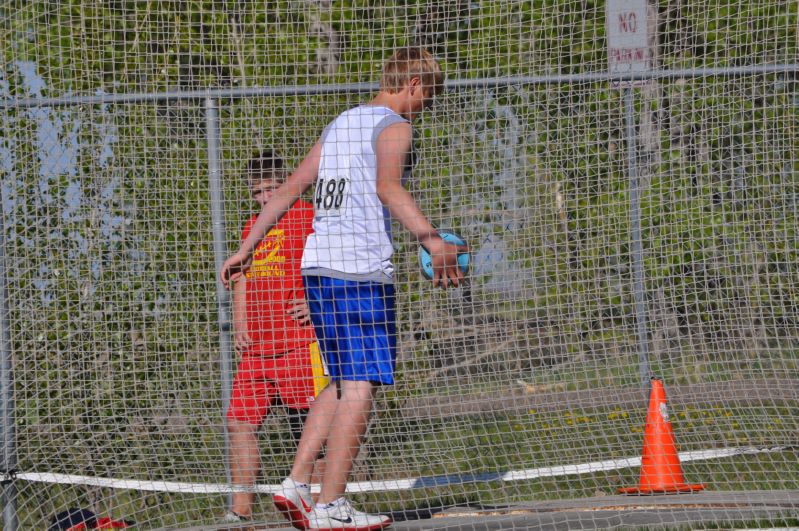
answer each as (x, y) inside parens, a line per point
(661, 472)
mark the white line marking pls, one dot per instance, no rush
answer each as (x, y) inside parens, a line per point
(387, 485)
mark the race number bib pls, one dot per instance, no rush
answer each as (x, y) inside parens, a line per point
(331, 196)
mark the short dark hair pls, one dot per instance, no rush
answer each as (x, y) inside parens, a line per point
(265, 165)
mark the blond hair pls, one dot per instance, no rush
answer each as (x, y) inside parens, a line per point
(408, 63)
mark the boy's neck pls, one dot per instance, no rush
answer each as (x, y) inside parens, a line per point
(393, 101)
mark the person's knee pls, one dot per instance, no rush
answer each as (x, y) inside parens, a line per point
(357, 390)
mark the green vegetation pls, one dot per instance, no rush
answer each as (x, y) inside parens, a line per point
(110, 250)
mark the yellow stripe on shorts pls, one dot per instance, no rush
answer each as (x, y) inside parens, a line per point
(320, 377)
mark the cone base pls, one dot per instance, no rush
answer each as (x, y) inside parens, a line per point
(672, 489)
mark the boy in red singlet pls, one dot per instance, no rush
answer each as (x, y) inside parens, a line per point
(280, 361)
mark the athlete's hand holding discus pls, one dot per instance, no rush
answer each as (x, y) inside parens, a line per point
(446, 268)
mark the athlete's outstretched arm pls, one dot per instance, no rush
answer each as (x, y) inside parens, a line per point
(280, 202)
(392, 149)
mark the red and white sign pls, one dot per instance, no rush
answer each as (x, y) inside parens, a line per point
(628, 39)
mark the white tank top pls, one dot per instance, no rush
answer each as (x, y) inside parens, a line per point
(352, 230)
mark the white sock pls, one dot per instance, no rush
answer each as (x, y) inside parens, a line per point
(298, 485)
(330, 505)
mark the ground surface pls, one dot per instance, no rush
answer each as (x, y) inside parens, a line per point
(684, 510)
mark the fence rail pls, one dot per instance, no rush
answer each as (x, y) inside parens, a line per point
(305, 90)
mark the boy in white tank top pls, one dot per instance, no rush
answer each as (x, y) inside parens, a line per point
(356, 167)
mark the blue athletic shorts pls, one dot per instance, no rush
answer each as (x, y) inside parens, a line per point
(355, 325)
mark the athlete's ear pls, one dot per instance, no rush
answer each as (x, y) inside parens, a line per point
(414, 84)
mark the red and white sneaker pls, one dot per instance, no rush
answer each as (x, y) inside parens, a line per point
(342, 516)
(295, 502)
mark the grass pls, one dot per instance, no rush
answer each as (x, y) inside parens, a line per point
(475, 446)
(624, 371)
(486, 445)
(747, 524)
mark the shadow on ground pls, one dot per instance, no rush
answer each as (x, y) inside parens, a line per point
(721, 509)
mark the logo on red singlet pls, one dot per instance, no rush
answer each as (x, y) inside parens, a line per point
(268, 261)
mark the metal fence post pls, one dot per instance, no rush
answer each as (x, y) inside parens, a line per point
(7, 417)
(635, 238)
(220, 253)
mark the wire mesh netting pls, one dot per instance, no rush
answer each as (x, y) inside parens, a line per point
(524, 384)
